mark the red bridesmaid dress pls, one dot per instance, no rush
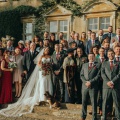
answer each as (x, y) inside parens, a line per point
(6, 86)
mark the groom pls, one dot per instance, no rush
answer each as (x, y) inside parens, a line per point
(28, 60)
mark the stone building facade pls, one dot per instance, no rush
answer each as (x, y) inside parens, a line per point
(96, 15)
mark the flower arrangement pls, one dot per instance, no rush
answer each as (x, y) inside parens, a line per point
(45, 68)
(12, 65)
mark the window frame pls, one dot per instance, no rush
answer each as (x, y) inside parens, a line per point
(58, 28)
(98, 17)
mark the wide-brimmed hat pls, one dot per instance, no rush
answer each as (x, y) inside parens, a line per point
(70, 50)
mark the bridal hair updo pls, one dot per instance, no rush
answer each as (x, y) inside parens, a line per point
(47, 49)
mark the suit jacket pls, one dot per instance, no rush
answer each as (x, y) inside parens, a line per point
(89, 45)
(57, 63)
(80, 44)
(79, 62)
(107, 34)
(28, 63)
(98, 38)
(110, 75)
(91, 75)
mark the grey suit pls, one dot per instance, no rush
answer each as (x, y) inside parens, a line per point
(58, 79)
(92, 75)
(114, 76)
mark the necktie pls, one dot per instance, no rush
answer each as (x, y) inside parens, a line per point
(111, 65)
(119, 38)
(117, 59)
(90, 65)
(93, 43)
(57, 56)
(110, 36)
(102, 60)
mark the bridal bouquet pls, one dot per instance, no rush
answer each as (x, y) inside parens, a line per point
(46, 68)
(12, 65)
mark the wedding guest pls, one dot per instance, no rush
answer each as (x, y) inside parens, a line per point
(71, 39)
(27, 46)
(46, 35)
(57, 61)
(36, 40)
(95, 50)
(69, 76)
(92, 42)
(65, 44)
(100, 35)
(89, 35)
(110, 33)
(83, 38)
(100, 60)
(110, 73)
(90, 75)
(6, 85)
(52, 40)
(78, 41)
(80, 59)
(28, 60)
(61, 35)
(21, 46)
(106, 46)
(9, 46)
(18, 72)
(62, 51)
(40, 46)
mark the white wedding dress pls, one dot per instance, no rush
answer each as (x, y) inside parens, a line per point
(32, 93)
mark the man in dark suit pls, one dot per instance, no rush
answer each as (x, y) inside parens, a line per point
(80, 59)
(100, 60)
(28, 60)
(92, 42)
(100, 35)
(90, 75)
(110, 72)
(57, 61)
(110, 33)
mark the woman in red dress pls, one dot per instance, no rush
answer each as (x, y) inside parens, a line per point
(6, 80)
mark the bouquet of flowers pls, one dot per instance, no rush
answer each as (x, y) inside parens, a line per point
(12, 65)
(46, 68)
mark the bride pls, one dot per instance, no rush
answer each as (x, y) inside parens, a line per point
(33, 92)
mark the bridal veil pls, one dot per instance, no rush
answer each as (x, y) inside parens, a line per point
(28, 99)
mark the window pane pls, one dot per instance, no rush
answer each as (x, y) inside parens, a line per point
(93, 23)
(63, 26)
(28, 37)
(104, 22)
(28, 28)
(53, 26)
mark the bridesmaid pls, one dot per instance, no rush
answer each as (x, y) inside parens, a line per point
(6, 80)
(17, 72)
